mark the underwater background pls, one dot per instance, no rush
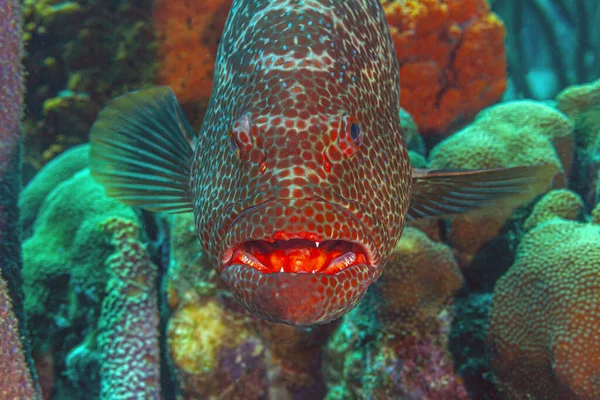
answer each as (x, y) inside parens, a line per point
(469, 307)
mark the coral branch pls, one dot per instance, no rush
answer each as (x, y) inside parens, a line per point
(129, 321)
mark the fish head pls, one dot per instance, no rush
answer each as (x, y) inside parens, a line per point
(306, 212)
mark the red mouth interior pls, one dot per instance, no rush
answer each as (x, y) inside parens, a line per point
(299, 256)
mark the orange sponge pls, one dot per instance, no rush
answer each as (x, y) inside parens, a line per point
(452, 59)
(188, 34)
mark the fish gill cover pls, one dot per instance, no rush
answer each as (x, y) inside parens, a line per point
(123, 303)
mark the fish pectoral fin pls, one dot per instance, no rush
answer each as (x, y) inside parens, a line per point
(446, 192)
(141, 151)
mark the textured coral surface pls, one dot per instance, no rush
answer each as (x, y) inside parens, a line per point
(543, 329)
(452, 59)
(129, 321)
(419, 280)
(15, 379)
(561, 203)
(574, 99)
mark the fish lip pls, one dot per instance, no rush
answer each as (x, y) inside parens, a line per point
(369, 248)
(297, 299)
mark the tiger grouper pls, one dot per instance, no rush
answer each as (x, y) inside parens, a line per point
(299, 179)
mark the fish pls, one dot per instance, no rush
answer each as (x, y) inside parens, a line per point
(299, 178)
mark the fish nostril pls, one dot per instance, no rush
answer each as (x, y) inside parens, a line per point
(240, 136)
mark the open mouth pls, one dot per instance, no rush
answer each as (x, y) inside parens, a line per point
(297, 256)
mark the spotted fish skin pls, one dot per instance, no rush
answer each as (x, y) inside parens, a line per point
(289, 72)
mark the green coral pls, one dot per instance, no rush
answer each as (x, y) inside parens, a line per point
(64, 257)
(55, 172)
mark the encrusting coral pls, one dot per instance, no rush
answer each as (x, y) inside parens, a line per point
(543, 333)
(452, 59)
(215, 351)
(54, 173)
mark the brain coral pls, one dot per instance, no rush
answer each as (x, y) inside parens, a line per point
(506, 135)
(452, 59)
(543, 334)
(561, 203)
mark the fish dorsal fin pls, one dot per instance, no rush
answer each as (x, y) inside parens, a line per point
(446, 192)
(141, 151)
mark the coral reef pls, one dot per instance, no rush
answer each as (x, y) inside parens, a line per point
(394, 344)
(509, 134)
(215, 352)
(452, 60)
(80, 54)
(543, 334)
(128, 326)
(67, 249)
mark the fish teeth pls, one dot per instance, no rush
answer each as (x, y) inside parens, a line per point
(281, 270)
(317, 244)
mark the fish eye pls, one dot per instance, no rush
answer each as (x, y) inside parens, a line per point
(350, 135)
(356, 133)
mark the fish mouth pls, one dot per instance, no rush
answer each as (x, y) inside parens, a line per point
(283, 270)
(298, 255)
